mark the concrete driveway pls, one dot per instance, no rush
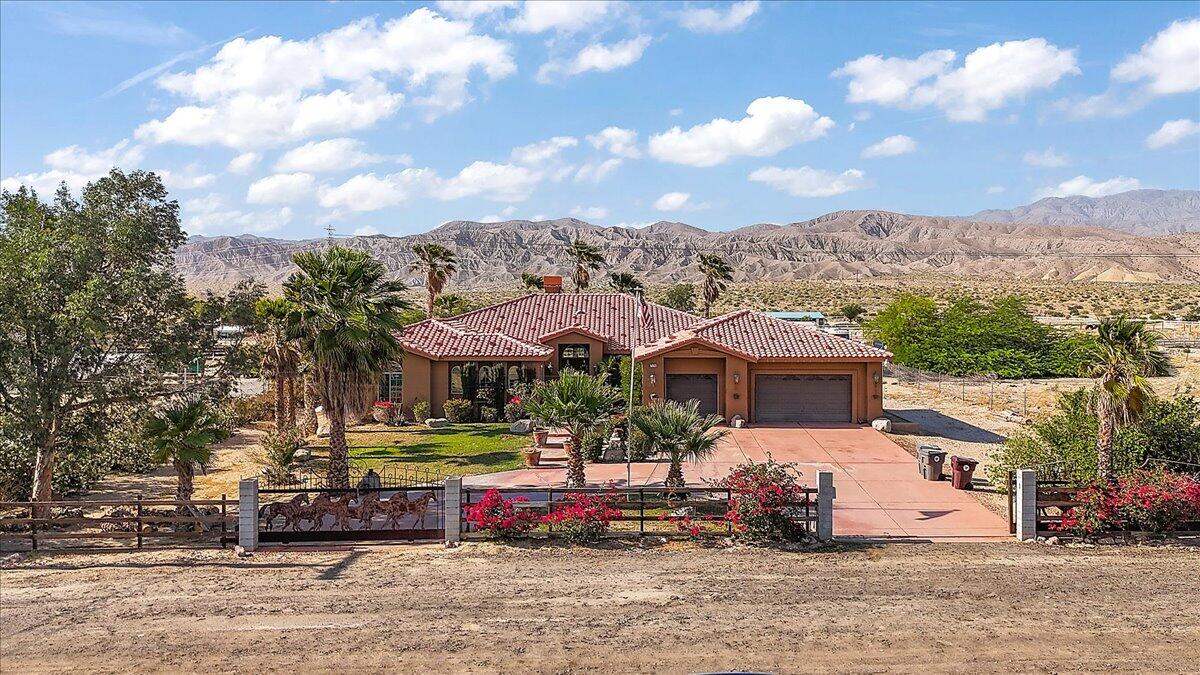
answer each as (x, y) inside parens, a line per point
(879, 493)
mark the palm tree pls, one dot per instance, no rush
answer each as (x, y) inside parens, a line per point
(1123, 356)
(587, 258)
(451, 304)
(578, 403)
(678, 431)
(280, 357)
(438, 264)
(716, 273)
(344, 316)
(624, 282)
(531, 282)
(181, 433)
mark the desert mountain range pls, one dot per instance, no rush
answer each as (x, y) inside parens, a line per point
(1047, 240)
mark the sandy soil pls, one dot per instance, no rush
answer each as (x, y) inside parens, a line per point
(670, 608)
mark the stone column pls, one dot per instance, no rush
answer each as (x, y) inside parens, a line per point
(1025, 510)
(248, 513)
(825, 496)
(453, 508)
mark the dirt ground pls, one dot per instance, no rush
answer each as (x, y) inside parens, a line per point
(669, 608)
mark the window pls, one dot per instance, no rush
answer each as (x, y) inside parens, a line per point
(391, 388)
(575, 357)
(456, 383)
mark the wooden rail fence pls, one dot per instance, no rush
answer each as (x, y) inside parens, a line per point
(18, 524)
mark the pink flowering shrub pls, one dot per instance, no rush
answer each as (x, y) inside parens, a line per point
(582, 517)
(500, 517)
(692, 526)
(1150, 501)
(763, 498)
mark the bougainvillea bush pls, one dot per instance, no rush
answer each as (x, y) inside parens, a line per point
(581, 517)
(500, 517)
(764, 496)
(1148, 501)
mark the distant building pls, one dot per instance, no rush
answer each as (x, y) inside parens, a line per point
(815, 319)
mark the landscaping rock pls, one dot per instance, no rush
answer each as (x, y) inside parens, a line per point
(521, 427)
(437, 422)
(882, 424)
(303, 455)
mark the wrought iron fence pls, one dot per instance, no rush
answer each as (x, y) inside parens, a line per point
(392, 476)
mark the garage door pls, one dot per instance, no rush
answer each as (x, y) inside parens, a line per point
(802, 398)
(703, 388)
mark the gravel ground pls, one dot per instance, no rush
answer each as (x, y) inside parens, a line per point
(655, 608)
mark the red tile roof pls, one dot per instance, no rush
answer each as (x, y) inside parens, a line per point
(437, 340)
(758, 336)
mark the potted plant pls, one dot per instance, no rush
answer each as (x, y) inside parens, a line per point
(539, 437)
(532, 456)
(383, 411)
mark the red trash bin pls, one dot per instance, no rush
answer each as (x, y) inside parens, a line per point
(962, 470)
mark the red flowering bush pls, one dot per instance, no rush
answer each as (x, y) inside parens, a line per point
(582, 517)
(500, 517)
(693, 526)
(384, 411)
(763, 500)
(1149, 501)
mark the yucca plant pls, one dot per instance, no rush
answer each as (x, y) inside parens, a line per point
(679, 432)
(181, 432)
(578, 403)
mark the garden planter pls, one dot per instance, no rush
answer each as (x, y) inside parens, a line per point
(539, 437)
(532, 457)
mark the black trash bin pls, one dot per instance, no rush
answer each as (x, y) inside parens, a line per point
(962, 470)
(930, 461)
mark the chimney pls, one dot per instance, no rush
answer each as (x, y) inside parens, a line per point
(552, 284)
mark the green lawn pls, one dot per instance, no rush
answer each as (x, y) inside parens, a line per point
(459, 449)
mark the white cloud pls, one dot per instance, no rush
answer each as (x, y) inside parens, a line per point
(190, 178)
(673, 201)
(1172, 132)
(590, 213)
(996, 189)
(713, 20)
(505, 214)
(366, 231)
(862, 115)
(771, 124)
(891, 146)
(637, 225)
(1170, 61)
(270, 91)
(564, 16)
(330, 155)
(497, 182)
(543, 152)
(809, 182)
(618, 141)
(77, 166)
(1086, 187)
(989, 78)
(1048, 158)
(210, 215)
(368, 192)
(596, 56)
(243, 162)
(280, 188)
(473, 9)
(595, 172)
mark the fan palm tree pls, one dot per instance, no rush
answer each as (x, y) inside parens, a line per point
(717, 273)
(280, 357)
(344, 316)
(586, 258)
(181, 433)
(451, 304)
(531, 282)
(1123, 356)
(624, 282)
(438, 264)
(578, 403)
(678, 431)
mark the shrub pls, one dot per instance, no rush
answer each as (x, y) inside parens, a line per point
(499, 517)
(763, 496)
(420, 411)
(488, 414)
(513, 411)
(386, 412)
(277, 453)
(582, 517)
(1151, 501)
(458, 410)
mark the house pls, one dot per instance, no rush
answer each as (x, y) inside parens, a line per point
(814, 319)
(742, 363)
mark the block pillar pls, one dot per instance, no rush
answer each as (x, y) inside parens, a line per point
(825, 496)
(453, 508)
(248, 513)
(1025, 510)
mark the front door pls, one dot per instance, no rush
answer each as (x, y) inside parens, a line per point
(702, 388)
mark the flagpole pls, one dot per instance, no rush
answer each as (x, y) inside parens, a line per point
(633, 340)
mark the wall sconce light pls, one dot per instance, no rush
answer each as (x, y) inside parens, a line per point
(737, 377)
(652, 378)
(877, 378)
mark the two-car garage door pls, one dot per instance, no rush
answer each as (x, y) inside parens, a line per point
(803, 398)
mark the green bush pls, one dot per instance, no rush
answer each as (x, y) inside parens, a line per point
(277, 453)
(420, 411)
(458, 410)
(488, 414)
(79, 463)
(514, 412)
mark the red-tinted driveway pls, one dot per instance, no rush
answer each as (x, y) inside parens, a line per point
(879, 493)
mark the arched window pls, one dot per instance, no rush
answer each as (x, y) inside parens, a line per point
(456, 383)
(514, 377)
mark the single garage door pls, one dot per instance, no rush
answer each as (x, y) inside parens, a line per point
(802, 398)
(703, 388)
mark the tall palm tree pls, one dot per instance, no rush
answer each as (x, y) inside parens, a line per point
(586, 258)
(1124, 355)
(531, 282)
(678, 431)
(624, 282)
(578, 403)
(280, 357)
(344, 316)
(438, 264)
(181, 433)
(717, 273)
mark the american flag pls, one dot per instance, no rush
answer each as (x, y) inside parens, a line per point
(643, 308)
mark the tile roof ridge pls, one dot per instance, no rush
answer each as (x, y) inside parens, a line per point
(503, 303)
(716, 320)
(435, 321)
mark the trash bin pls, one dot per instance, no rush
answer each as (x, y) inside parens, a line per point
(962, 469)
(930, 460)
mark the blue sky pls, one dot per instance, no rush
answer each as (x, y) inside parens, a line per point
(282, 119)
